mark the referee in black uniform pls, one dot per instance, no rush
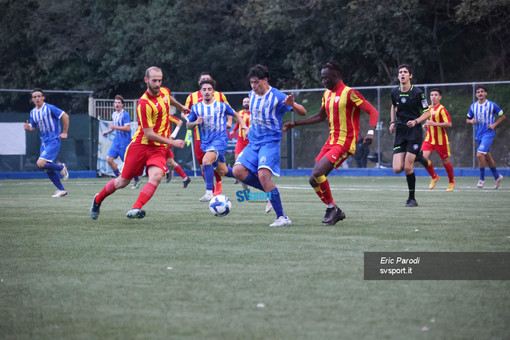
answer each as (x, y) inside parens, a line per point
(408, 110)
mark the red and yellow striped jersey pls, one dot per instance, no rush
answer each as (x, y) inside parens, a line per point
(342, 107)
(436, 135)
(246, 118)
(153, 112)
(196, 97)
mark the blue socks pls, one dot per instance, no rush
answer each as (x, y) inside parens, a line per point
(53, 167)
(54, 177)
(116, 173)
(276, 202)
(495, 173)
(209, 177)
(274, 195)
(230, 173)
(482, 174)
(253, 181)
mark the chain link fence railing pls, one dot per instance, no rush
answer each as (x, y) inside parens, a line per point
(299, 146)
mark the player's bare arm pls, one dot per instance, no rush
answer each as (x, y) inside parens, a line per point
(424, 116)
(65, 128)
(393, 115)
(316, 118)
(298, 108)
(28, 128)
(374, 117)
(184, 109)
(497, 122)
(154, 137)
(191, 125)
(441, 125)
(119, 128)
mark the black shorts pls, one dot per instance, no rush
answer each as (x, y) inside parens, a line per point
(408, 139)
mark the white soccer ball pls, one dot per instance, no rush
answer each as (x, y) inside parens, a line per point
(220, 205)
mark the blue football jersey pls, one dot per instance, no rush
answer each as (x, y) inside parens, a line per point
(485, 114)
(122, 138)
(46, 120)
(214, 120)
(266, 116)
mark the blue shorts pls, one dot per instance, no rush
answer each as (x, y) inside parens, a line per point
(262, 156)
(218, 146)
(49, 149)
(117, 151)
(484, 143)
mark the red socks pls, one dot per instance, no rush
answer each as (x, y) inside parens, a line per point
(108, 189)
(449, 171)
(323, 190)
(145, 195)
(179, 170)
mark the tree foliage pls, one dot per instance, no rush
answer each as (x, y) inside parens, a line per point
(105, 45)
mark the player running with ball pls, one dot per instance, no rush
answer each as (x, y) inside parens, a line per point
(341, 106)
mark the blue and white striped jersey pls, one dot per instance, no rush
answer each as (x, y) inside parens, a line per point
(46, 120)
(122, 138)
(266, 116)
(214, 124)
(485, 114)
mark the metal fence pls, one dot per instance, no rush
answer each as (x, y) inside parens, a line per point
(299, 146)
(102, 109)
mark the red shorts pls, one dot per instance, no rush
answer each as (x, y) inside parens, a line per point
(442, 150)
(169, 153)
(139, 156)
(336, 154)
(240, 145)
(199, 154)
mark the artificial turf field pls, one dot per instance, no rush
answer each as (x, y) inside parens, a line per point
(181, 273)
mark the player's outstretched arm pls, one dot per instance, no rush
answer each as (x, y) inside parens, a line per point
(372, 112)
(316, 118)
(184, 109)
(154, 137)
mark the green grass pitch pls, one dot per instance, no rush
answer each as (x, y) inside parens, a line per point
(181, 273)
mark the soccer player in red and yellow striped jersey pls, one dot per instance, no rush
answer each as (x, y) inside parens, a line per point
(148, 145)
(196, 97)
(437, 139)
(242, 139)
(341, 105)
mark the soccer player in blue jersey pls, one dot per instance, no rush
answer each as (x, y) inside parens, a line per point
(47, 117)
(260, 159)
(485, 115)
(211, 117)
(122, 127)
